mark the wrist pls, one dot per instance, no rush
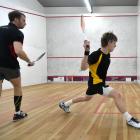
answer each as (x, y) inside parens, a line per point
(28, 61)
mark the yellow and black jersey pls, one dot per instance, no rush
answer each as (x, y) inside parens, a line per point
(98, 66)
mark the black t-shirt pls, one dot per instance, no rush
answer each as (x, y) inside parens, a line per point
(9, 34)
(98, 66)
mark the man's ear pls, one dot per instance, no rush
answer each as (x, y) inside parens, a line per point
(16, 20)
(109, 42)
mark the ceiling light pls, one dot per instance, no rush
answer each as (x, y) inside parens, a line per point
(88, 5)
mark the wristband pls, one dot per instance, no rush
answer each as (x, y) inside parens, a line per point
(86, 53)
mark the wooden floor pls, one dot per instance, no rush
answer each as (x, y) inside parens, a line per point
(97, 119)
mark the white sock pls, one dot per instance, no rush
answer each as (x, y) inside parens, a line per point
(68, 103)
(18, 112)
(127, 116)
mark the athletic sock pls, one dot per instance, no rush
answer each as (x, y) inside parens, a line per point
(18, 113)
(68, 103)
(127, 116)
(17, 102)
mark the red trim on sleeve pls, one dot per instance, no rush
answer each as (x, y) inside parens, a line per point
(12, 51)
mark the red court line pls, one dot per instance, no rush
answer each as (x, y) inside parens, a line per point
(72, 78)
(108, 113)
(23, 11)
(65, 57)
(114, 113)
(57, 57)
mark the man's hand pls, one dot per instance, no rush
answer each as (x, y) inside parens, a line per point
(84, 62)
(86, 45)
(31, 64)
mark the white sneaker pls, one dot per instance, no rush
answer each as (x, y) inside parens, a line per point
(64, 107)
(134, 123)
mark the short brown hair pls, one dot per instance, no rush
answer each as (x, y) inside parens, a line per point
(108, 36)
(15, 14)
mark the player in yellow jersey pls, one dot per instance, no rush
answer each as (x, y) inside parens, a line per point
(98, 63)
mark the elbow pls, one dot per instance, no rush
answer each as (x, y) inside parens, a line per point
(17, 53)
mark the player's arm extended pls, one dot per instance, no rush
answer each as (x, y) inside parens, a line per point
(84, 62)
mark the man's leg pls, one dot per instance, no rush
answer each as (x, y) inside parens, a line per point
(91, 91)
(82, 99)
(1, 81)
(119, 101)
(66, 105)
(16, 82)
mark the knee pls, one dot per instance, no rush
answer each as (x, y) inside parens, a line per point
(16, 84)
(117, 96)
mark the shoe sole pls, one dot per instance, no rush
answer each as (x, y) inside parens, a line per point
(20, 119)
(133, 126)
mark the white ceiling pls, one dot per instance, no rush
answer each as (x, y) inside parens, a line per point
(80, 3)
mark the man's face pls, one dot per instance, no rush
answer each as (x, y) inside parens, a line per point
(21, 22)
(111, 45)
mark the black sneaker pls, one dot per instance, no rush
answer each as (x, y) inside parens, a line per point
(20, 116)
(134, 123)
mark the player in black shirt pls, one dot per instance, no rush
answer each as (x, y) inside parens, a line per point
(11, 43)
(98, 63)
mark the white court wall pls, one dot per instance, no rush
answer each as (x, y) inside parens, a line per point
(65, 39)
(34, 41)
(138, 48)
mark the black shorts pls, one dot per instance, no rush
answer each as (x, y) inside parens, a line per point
(7, 73)
(95, 89)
